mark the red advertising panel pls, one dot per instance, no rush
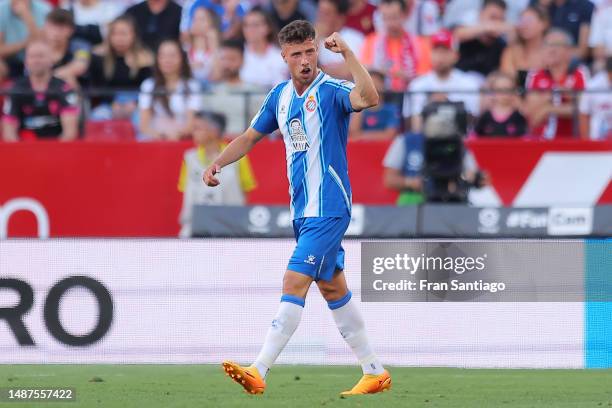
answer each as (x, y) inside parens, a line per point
(130, 189)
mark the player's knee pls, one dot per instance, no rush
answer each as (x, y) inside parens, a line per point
(330, 291)
(296, 285)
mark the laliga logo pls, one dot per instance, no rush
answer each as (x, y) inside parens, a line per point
(24, 204)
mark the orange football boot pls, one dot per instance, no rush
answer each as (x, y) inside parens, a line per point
(371, 384)
(248, 377)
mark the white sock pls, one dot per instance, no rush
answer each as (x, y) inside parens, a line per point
(284, 324)
(352, 328)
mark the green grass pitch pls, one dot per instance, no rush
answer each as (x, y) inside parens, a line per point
(151, 386)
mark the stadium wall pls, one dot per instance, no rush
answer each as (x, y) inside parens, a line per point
(96, 189)
(199, 301)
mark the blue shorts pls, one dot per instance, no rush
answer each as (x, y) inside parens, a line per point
(318, 252)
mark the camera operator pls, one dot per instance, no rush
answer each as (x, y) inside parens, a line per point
(434, 165)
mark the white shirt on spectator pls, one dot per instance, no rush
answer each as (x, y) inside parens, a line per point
(100, 14)
(353, 38)
(180, 103)
(424, 18)
(465, 86)
(467, 12)
(265, 70)
(601, 28)
(598, 105)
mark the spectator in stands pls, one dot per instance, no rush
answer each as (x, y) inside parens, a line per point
(482, 44)
(573, 16)
(229, 12)
(40, 105)
(380, 122)
(231, 19)
(122, 63)
(236, 179)
(392, 50)
(443, 82)
(92, 18)
(360, 16)
(423, 18)
(285, 11)
(20, 21)
(237, 100)
(70, 58)
(203, 45)
(263, 64)
(157, 20)
(168, 101)
(465, 12)
(503, 117)
(600, 38)
(550, 106)
(596, 106)
(525, 54)
(331, 18)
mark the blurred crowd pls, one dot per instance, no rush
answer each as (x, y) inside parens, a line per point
(520, 67)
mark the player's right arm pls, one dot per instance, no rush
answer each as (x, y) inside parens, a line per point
(238, 148)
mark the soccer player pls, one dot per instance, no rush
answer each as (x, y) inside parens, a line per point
(312, 112)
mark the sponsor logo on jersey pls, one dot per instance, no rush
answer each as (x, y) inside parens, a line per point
(298, 136)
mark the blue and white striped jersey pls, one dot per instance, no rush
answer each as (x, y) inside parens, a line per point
(315, 130)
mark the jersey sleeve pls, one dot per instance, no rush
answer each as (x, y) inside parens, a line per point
(416, 104)
(342, 95)
(265, 120)
(580, 82)
(145, 96)
(532, 82)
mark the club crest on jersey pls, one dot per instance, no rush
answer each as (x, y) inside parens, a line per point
(311, 104)
(298, 136)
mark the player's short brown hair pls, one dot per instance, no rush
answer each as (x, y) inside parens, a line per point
(296, 32)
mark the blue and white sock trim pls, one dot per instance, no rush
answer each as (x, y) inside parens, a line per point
(296, 300)
(336, 304)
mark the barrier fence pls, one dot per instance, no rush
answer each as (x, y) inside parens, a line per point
(247, 103)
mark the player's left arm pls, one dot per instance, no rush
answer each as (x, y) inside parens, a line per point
(364, 94)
